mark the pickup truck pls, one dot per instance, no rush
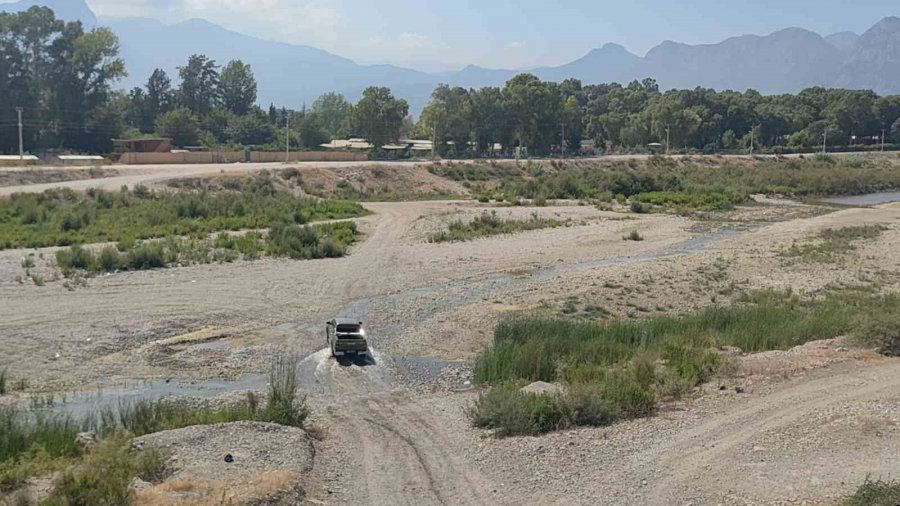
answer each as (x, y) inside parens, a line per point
(346, 337)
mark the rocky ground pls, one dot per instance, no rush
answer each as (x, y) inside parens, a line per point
(805, 425)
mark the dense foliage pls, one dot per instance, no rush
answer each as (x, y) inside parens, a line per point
(63, 217)
(668, 182)
(620, 369)
(547, 118)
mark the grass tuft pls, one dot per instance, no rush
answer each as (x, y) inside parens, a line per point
(831, 244)
(876, 493)
(284, 406)
(489, 224)
(634, 235)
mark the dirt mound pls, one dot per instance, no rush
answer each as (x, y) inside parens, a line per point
(378, 182)
(231, 463)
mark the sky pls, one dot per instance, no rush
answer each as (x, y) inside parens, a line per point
(443, 35)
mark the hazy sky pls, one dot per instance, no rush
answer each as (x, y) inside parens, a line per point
(502, 33)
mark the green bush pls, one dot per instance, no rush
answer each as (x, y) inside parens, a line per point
(64, 218)
(109, 260)
(625, 366)
(876, 493)
(513, 413)
(284, 406)
(76, 258)
(146, 256)
(104, 476)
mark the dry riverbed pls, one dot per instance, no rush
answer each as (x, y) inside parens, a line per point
(788, 427)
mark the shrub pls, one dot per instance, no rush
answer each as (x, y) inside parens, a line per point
(284, 406)
(585, 405)
(3, 387)
(146, 256)
(634, 235)
(878, 327)
(513, 413)
(103, 478)
(75, 258)
(876, 493)
(640, 208)
(109, 259)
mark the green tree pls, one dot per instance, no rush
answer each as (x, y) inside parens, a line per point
(159, 93)
(488, 118)
(448, 118)
(237, 87)
(379, 116)
(180, 125)
(333, 113)
(199, 89)
(252, 129)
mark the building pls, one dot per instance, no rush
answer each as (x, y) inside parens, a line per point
(158, 145)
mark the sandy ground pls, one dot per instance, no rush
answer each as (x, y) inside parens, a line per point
(809, 425)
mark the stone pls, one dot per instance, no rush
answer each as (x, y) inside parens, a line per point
(542, 388)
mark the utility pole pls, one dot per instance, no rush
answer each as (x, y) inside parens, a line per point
(882, 139)
(21, 141)
(751, 142)
(287, 137)
(667, 139)
(825, 142)
(434, 141)
(562, 145)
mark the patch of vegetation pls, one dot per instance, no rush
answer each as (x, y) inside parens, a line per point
(635, 362)
(875, 493)
(34, 443)
(283, 240)
(705, 201)
(63, 217)
(687, 184)
(482, 172)
(284, 406)
(3, 380)
(634, 235)
(831, 244)
(104, 475)
(489, 224)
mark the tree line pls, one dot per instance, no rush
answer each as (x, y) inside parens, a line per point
(63, 77)
(552, 118)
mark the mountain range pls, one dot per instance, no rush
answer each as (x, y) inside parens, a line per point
(786, 61)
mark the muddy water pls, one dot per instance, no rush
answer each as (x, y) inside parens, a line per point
(88, 403)
(870, 199)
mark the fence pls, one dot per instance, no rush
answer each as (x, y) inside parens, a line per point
(239, 156)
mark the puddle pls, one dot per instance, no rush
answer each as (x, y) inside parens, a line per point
(869, 199)
(84, 404)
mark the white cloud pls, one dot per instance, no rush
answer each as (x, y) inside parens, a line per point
(519, 44)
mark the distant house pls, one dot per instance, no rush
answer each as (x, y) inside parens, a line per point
(159, 145)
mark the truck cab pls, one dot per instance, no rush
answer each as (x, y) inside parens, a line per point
(346, 337)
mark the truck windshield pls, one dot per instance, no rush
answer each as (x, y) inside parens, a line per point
(349, 329)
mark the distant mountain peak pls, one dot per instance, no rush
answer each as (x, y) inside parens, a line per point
(68, 10)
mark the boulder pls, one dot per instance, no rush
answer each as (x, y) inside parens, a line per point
(542, 388)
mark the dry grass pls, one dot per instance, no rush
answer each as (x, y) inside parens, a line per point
(253, 486)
